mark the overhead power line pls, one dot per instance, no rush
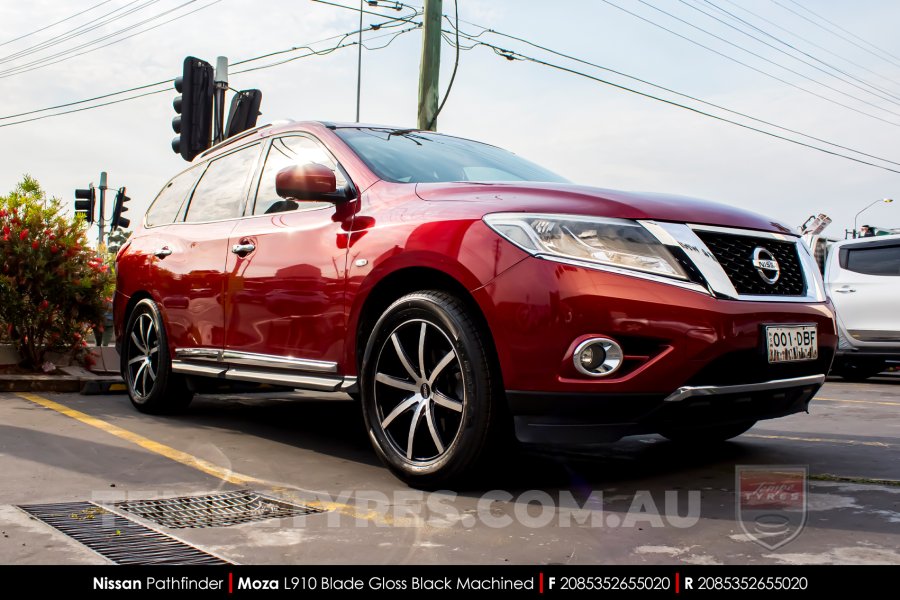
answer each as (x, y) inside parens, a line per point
(71, 53)
(339, 45)
(80, 30)
(751, 67)
(515, 55)
(55, 23)
(679, 94)
(844, 77)
(766, 59)
(812, 43)
(881, 53)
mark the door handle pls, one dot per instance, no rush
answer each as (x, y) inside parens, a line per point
(243, 249)
(845, 290)
(162, 252)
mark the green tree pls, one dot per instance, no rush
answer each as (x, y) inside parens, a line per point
(53, 287)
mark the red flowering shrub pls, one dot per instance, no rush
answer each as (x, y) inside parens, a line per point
(53, 288)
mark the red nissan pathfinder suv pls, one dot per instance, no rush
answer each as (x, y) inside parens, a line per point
(461, 292)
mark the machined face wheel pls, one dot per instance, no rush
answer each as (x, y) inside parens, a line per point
(420, 391)
(143, 357)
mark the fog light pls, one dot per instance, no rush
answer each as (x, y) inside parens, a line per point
(598, 357)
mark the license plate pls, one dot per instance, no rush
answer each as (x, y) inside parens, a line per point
(789, 343)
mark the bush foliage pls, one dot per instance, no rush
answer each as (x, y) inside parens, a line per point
(53, 287)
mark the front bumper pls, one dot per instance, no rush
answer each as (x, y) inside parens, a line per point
(578, 419)
(689, 357)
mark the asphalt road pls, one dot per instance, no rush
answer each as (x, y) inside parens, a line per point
(642, 500)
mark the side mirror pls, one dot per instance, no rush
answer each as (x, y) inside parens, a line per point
(306, 182)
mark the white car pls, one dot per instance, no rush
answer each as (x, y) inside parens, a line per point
(862, 278)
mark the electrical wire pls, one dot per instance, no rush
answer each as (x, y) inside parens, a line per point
(836, 34)
(68, 54)
(79, 30)
(75, 110)
(852, 81)
(812, 43)
(677, 93)
(76, 102)
(768, 60)
(167, 89)
(751, 67)
(514, 55)
(55, 23)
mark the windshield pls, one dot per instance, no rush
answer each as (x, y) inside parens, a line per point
(404, 156)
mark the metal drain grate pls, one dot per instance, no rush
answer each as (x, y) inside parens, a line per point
(214, 510)
(119, 539)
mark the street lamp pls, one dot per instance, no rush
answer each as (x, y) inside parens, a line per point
(856, 218)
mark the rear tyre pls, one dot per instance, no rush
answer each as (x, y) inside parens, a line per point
(707, 435)
(147, 366)
(858, 369)
(429, 395)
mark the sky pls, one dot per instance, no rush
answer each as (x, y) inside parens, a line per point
(588, 132)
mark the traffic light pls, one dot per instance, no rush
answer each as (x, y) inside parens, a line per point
(84, 202)
(194, 107)
(243, 112)
(118, 208)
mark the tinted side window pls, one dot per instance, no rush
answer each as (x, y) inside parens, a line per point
(168, 202)
(874, 261)
(284, 152)
(223, 187)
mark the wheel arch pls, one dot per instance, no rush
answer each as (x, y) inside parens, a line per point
(396, 285)
(129, 308)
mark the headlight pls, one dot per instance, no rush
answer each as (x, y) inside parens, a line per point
(608, 242)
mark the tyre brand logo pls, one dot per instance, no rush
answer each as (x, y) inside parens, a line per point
(766, 265)
(771, 503)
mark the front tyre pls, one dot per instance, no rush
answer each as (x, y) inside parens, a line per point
(858, 369)
(147, 366)
(429, 394)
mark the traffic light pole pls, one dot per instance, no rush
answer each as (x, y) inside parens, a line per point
(430, 65)
(102, 210)
(221, 84)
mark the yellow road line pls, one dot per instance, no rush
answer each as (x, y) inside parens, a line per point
(146, 443)
(819, 440)
(879, 402)
(189, 460)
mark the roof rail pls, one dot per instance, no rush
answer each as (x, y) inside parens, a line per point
(233, 139)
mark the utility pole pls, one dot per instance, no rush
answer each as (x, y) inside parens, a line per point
(221, 84)
(359, 62)
(100, 212)
(430, 66)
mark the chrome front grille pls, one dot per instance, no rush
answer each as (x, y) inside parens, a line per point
(735, 254)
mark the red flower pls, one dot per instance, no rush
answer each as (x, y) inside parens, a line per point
(3, 213)
(24, 234)
(53, 249)
(76, 282)
(6, 231)
(44, 304)
(104, 268)
(35, 245)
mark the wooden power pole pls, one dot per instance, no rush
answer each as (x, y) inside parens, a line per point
(430, 66)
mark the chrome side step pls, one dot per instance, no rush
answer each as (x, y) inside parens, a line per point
(312, 375)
